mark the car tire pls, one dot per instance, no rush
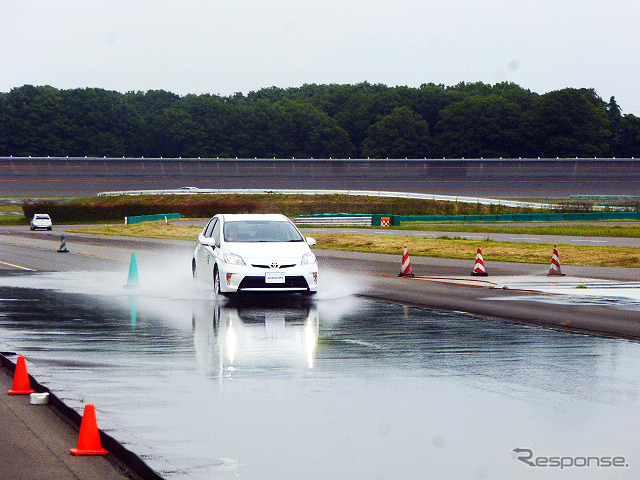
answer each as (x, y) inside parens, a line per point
(216, 282)
(193, 270)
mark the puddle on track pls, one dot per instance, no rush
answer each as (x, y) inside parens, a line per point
(335, 387)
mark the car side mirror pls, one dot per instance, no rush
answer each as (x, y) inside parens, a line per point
(311, 241)
(211, 242)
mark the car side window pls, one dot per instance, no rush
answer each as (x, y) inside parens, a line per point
(209, 229)
(216, 233)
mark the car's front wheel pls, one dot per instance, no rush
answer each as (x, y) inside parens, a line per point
(216, 281)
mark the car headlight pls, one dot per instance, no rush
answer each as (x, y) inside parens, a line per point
(233, 259)
(308, 258)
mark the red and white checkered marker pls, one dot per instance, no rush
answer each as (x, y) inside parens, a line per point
(479, 269)
(555, 271)
(406, 264)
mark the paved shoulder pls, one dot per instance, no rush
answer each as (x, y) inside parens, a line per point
(35, 443)
(501, 237)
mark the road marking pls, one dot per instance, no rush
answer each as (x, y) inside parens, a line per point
(88, 254)
(18, 244)
(18, 266)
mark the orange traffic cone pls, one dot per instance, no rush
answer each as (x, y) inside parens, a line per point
(21, 382)
(405, 269)
(89, 439)
(554, 271)
(478, 269)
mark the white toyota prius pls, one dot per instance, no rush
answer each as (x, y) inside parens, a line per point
(255, 253)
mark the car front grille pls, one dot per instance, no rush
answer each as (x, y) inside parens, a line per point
(297, 281)
(269, 266)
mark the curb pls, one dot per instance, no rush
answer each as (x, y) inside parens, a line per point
(129, 460)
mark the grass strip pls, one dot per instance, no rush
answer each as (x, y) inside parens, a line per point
(597, 256)
(158, 229)
(579, 230)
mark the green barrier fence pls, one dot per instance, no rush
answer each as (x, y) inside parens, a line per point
(397, 220)
(151, 218)
(320, 215)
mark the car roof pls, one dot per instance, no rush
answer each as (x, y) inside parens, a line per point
(41, 215)
(237, 217)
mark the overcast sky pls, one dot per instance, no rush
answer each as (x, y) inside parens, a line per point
(222, 47)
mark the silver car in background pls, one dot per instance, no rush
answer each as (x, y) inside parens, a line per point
(41, 220)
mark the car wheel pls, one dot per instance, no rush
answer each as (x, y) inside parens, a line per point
(193, 270)
(216, 281)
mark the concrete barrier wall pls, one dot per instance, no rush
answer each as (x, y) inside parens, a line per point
(528, 178)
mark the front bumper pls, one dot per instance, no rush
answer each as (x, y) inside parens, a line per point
(299, 278)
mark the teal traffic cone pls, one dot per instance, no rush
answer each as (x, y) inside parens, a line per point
(63, 245)
(133, 280)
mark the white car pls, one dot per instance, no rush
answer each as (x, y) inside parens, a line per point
(41, 220)
(255, 253)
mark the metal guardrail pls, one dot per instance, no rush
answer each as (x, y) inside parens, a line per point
(366, 193)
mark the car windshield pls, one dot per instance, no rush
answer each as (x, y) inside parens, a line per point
(261, 231)
(42, 217)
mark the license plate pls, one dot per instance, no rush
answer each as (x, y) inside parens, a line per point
(274, 277)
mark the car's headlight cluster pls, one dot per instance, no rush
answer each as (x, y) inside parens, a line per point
(233, 259)
(308, 258)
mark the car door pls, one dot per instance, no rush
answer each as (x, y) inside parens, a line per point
(204, 252)
(214, 248)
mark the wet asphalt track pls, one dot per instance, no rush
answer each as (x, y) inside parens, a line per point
(374, 274)
(338, 387)
(388, 390)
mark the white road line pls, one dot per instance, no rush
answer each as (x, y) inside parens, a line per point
(18, 266)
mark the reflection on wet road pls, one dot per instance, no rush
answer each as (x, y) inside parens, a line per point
(338, 387)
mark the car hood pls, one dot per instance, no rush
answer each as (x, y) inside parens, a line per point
(270, 251)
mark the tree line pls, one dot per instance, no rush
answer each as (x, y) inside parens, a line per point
(468, 120)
